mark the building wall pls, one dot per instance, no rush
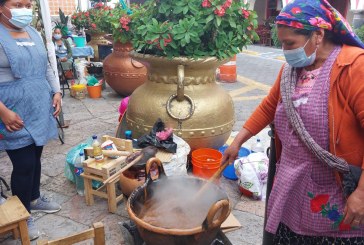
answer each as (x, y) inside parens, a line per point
(67, 6)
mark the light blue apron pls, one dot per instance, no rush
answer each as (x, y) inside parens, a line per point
(30, 94)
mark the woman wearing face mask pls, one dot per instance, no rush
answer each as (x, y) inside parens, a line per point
(30, 98)
(63, 49)
(317, 106)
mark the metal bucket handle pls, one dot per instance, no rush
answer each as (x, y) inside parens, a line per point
(180, 95)
(136, 63)
(210, 221)
(149, 164)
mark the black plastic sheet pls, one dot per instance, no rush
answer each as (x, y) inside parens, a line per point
(151, 138)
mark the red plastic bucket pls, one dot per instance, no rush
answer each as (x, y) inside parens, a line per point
(205, 162)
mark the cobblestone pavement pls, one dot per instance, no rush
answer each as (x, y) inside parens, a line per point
(256, 74)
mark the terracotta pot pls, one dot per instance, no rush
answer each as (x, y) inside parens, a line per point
(96, 40)
(121, 72)
(182, 92)
(128, 185)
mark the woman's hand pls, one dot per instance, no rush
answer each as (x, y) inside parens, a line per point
(57, 99)
(64, 59)
(231, 153)
(11, 120)
(354, 209)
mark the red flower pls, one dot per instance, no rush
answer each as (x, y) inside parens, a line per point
(318, 201)
(296, 24)
(206, 4)
(227, 4)
(98, 5)
(219, 12)
(246, 13)
(124, 20)
(93, 26)
(296, 10)
(344, 227)
(167, 40)
(87, 14)
(74, 17)
(249, 28)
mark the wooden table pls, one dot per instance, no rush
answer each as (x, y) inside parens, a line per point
(14, 218)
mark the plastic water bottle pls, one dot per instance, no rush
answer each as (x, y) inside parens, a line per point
(128, 135)
(257, 147)
(99, 157)
(78, 171)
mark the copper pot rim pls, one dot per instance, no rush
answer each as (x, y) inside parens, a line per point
(183, 60)
(166, 231)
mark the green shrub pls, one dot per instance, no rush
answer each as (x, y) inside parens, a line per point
(360, 32)
(274, 35)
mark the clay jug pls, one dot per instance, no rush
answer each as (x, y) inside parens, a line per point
(121, 72)
(96, 40)
(184, 94)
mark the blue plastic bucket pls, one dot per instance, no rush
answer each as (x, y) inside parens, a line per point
(79, 41)
(229, 171)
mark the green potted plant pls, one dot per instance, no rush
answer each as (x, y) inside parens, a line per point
(62, 24)
(97, 26)
(122, 73)
(183, 43)
(194, 28)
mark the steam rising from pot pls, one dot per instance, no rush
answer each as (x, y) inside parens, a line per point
(172, 203)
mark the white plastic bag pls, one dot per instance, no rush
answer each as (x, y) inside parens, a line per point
(252, 172)
(177, 165)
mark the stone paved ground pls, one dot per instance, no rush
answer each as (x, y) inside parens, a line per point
(257, 73)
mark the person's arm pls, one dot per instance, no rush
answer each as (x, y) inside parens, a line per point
(354, 209)
(10, 119)
(69, 49)
(261, 117)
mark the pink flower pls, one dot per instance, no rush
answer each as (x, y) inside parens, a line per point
(219, 12)
(296, 10)
(227, 4)
(249, 28)
(319, 22)
(206, 4)
(246, 13)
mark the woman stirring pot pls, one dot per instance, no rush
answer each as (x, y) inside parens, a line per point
(317, 105)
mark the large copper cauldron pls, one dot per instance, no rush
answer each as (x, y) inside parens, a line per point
(202, 234)
(121, 72)
(182, 92)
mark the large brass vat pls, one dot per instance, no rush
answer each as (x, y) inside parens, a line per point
(96, 40)
(184, 94)
(121, 72)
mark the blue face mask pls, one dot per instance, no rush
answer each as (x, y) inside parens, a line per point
(298, 58)
(57, 36)
(20, 17)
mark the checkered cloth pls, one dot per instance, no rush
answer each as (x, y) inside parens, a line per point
(289, 78)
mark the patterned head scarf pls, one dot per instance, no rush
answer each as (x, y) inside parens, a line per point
(316, 14)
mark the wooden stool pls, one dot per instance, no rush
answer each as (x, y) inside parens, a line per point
(97, 233)
(102, 172)
(14, 218)
(107, 172)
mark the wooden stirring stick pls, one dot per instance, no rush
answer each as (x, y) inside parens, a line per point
(212, 179)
